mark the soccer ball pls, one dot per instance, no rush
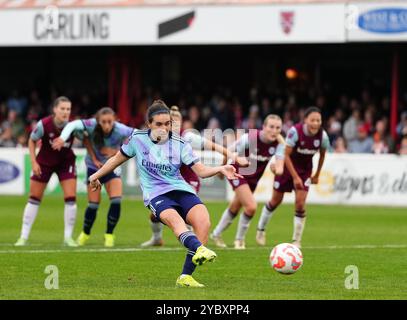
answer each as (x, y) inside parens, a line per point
(286, 258)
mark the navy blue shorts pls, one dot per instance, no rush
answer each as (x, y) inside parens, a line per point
(181, 201)
(105, 179)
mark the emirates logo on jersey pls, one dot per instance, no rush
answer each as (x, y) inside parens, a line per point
(287, 21)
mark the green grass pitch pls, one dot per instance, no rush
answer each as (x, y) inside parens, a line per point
(373, 239)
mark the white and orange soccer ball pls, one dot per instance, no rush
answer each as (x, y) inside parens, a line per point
(286, 258)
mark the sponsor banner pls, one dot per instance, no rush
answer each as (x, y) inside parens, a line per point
(6, 4)
(351, 179)
(231, 24)
(11, 171)
(385, 21)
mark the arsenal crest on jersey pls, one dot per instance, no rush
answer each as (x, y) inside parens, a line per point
(287, 21)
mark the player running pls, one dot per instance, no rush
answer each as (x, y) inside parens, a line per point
(103, 138)
(159, 155)
(259, 146)
(47, 162)
(303, 141)
(197, 142)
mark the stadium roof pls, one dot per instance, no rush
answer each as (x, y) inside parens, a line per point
(12, 4)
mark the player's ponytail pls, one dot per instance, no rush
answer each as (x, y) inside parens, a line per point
(174, 112)
(98, 134)
(157, 107)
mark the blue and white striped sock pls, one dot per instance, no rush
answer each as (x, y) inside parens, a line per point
(190, 241)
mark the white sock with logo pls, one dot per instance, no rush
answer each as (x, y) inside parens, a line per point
(157, 228)
(299, 225)
(224, 222)
(244, 223)
(69, 218)
(30, 213)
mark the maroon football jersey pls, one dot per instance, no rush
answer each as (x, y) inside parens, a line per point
(48, 156)
(258, 157)
(305, 148)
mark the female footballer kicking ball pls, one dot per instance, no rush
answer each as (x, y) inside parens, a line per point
(197, 142)
(303, 141)
(47, 162)
(259, 146)
(159, 155)
(103, 137)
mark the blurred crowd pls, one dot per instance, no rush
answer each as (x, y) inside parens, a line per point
(355, 123)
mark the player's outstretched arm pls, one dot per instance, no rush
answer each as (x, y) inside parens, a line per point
(205, 172)
(108, 167)
(228, 154)
(76, 125)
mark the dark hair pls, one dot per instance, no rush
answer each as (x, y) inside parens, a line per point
(98, 134)
(60, 99)
(310, 110)
(157, 107)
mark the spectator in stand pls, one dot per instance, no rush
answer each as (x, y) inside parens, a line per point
(403, 146)
(265, 108)
(350, 128)
(368, 119)
(3, 112)
(17, 103)
(253, 121)
(363, 144)
(11, 129)
(402, 125)
(287, 122)
(334, 128)
(382, 141)
(339, 146)
(194, 116)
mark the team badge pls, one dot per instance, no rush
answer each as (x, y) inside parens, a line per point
(235, 182)
(316, 143)
(272, 150)
(276, 184)
(307, 182)
(51, 135)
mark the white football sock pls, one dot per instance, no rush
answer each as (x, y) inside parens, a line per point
(69, 218)
(265, 217)
(299, 225)
(157, 228)
(224, 222)
(30, 213)
(244, 223)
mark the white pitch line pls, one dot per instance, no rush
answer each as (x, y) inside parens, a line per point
(102, 250)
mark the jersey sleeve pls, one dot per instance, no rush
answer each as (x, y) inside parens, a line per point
(292, 137)
(280, 151)
(188, 157)
(196, 141)
(125, 131)
(89, 125)
(325, 144)
(128, 148)
(38, 132)
(72, 127)
(241, 144)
